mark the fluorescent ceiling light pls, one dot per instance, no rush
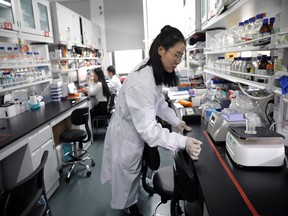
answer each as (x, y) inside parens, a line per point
(5, 4)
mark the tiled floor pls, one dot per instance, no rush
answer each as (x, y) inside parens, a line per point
(86, 196)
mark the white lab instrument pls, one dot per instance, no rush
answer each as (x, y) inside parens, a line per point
(263, 149)
(218, 126)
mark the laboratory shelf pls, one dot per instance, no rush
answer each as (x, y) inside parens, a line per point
(12, 88)
(16, 65)
(241, 11)
(224, 74)
(243, 46)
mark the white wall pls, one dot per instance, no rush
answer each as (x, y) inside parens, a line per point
(81, 7)
(161, 13)
(158, 14)
(124, 24)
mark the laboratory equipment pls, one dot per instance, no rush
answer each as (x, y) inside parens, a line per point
(250, 123)
(218, 126)
(263, 149)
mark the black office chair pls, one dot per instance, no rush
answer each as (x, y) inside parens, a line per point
(186, 184)
(163, 183)
(28, 197)
(78, 155)
(105, 117)
(150, 163)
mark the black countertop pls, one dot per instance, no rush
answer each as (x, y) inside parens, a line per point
(12, 129)
(232, 190)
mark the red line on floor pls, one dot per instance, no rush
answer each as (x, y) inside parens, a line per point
(234, 180)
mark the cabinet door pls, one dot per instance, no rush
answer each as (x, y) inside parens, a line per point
(86, 31)
(8, 16)
(28, 15)
(68, 25)
(76, 30)
(44, 17)
(96, 36)
(51, 175)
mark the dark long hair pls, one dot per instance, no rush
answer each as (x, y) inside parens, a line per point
(101, 78)
(167, 38)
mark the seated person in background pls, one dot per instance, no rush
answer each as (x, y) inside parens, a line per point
(99, 88)
(114, 82)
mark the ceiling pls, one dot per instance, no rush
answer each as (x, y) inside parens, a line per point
(65, 0)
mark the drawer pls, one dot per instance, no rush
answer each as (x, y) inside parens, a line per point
(40, 137)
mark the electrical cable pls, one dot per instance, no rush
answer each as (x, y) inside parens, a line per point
(252, 97)
(269, 118)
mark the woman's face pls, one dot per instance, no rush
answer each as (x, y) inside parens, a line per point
(95, 77)
(172, 57)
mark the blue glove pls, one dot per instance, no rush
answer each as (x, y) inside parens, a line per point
(283, 83)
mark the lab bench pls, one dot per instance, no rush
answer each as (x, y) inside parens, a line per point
(24, 138)
(229, 189)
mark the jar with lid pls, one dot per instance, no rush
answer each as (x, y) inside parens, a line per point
(265, 31)
(257, 26)
(249, 29)
(3, 55)
(271, 24)
(238, 33)
(262, 69)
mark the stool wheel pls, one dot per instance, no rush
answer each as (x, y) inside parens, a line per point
(67, 179)
(88, 173)
(92, 163)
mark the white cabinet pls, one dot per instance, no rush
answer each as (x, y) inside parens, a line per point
(8, 16)
(86, 31)
(26, 19)
(192, 17)
(39, 142)
(35, 18)
(66, 25)
(96, 36)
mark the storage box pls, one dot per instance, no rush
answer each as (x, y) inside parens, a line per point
(7, 110)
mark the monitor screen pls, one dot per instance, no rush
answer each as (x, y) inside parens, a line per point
(82, 76)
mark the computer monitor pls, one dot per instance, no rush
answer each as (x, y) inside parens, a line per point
(82, 77)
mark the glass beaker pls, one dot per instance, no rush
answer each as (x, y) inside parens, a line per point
(250, 123)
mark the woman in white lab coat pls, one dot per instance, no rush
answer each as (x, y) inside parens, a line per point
(134, 121)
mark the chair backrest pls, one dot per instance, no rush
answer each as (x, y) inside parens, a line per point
(22, 198)
(111, 103)
(151, 160)
(80, 116)
(185, 181)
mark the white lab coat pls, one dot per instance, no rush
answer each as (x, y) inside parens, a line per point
(132, 124)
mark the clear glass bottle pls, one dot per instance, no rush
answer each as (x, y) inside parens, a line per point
(16, 55)
(3, 56)
(249, 29)
(10, 57)
(271, 24)
(264, 31)
(238, 33)
(262, 69)
(246, 22)
(257, 26)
